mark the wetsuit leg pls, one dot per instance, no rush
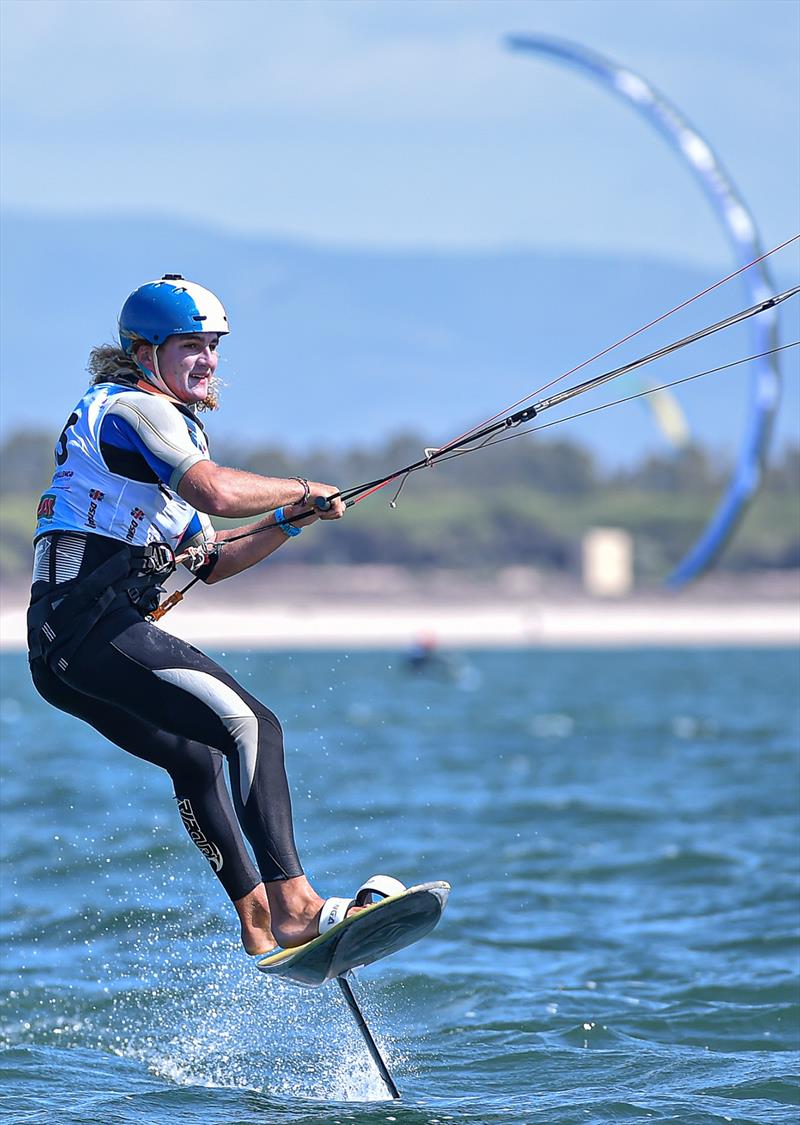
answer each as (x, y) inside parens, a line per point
(178, 689)
(196, 772)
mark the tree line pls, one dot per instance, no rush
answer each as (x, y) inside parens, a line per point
(528, 503)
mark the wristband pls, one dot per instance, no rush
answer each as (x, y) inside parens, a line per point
(306, 489)
(287, 528)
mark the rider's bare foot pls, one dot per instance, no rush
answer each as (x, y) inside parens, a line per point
(299, 930)
(295, 909)
(256, 924)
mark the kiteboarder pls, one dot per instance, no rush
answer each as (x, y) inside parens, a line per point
(131, 494)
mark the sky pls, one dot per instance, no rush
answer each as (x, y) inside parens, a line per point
(398, 124)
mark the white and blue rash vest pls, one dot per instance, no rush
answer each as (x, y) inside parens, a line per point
(119, 461)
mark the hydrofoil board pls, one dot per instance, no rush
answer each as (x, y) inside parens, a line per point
(376, 932)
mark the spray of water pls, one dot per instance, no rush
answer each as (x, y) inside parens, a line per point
(207, 1018)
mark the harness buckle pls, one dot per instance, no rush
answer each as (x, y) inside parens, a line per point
(158, 558)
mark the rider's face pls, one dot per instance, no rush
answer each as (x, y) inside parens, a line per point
(187, 363)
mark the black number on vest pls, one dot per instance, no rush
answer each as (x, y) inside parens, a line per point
(61, 450)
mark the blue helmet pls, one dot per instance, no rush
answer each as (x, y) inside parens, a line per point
(169, 307)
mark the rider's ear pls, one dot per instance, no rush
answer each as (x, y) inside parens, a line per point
(143, 354)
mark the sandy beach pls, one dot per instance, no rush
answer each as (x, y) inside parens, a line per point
(382, 607)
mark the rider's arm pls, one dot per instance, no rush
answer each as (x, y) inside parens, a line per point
(236, 555)
(221, 491)
(234, 493)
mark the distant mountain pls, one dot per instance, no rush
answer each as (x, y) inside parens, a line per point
(338, 346)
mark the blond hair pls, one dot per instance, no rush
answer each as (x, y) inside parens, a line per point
(108, 363)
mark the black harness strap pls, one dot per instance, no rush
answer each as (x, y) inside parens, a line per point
(61, 620)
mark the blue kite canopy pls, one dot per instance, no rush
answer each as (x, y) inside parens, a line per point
(741, 230)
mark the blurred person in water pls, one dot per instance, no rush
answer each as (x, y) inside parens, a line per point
(131, 495)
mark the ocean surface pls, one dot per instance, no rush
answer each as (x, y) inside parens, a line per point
(621, 943)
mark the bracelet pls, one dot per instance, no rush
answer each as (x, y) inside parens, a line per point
(306, 489)
(287, 528)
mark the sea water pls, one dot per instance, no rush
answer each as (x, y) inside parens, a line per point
(621, 943)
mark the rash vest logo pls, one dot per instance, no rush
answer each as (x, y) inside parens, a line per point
(95, 496)
(47, 507)
(137, 515)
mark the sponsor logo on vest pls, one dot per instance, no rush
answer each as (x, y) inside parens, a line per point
(137, 515)
(95, 496)
(209, 850)
(47, 507)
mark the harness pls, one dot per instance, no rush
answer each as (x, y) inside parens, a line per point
(62, 618)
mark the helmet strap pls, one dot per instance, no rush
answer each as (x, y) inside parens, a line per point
(153, 376)
(155, 364)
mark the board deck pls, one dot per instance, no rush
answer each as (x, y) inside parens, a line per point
(376, 932)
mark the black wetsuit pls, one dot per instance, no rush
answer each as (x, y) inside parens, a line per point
(95, 656)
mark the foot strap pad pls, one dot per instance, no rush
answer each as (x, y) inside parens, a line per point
(333, 912)
(382, 886)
